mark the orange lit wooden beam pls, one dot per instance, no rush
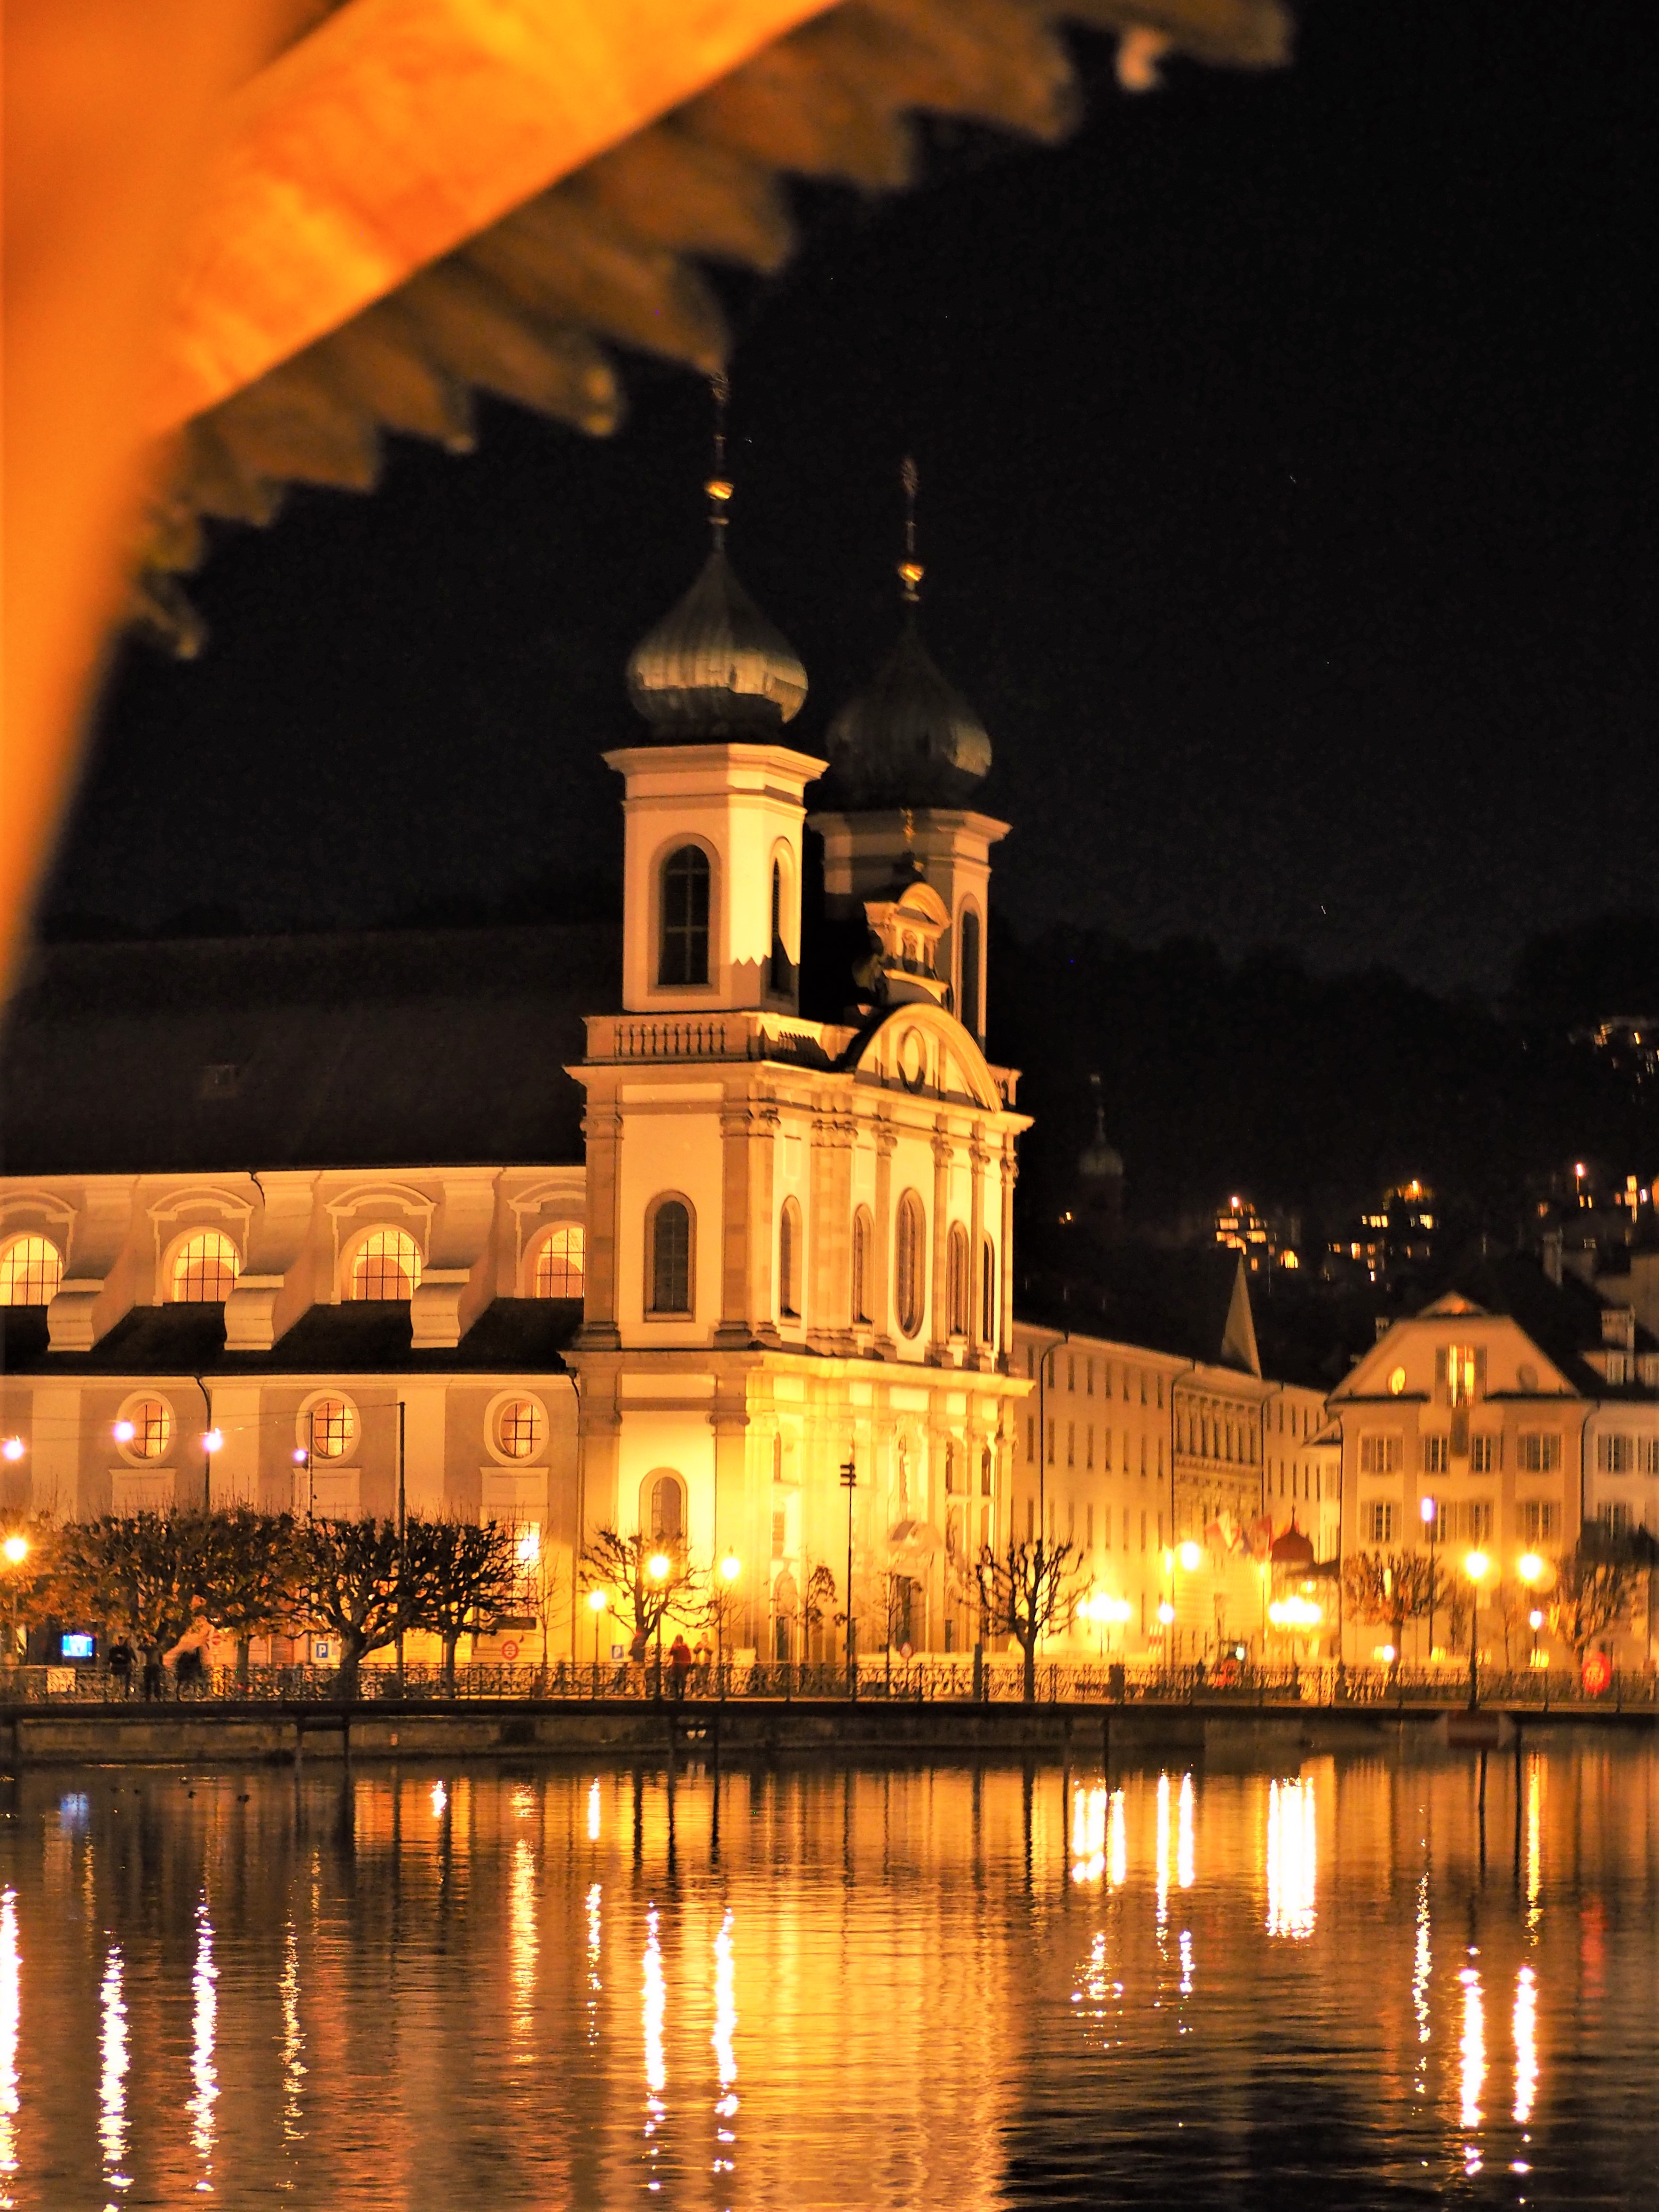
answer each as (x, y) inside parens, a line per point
(399, 128)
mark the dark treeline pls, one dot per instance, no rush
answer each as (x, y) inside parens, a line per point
(1314, 1093)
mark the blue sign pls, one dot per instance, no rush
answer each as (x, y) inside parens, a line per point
(76, 1644)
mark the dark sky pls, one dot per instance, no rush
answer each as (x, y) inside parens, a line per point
(1288, 505)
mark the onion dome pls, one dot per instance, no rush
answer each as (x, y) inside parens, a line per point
(911, 739)
(1100, 1161)
(714, 668)
(1292, 1550)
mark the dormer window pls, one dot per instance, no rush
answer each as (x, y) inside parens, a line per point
(685, 902)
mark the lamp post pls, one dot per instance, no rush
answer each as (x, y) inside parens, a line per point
(731, 1568)
(596, 1607)
(1431, 1516)
(14, 1550)
(659, 1566)
(1531, 1568)
(849, 1478)
(1475, 1564)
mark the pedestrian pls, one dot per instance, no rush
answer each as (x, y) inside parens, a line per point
(191, 1673)
(680, 1658)
(637, 1647)
(152, 1675)
(120, 1665)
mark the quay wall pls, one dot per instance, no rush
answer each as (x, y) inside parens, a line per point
(252, 1735)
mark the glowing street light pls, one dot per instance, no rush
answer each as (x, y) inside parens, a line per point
(1530, 1568)
(1165, 1611)
(730, 1567)
(15, 1550)
(1476, 1566)
(596, 1603)
(11, 1450)
(1190, 1556)
(123, 1431)
(1428, 1512)
(659, 1566)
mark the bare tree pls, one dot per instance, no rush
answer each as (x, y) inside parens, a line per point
(1590, 1595)
(140, 1575)
(623, 1565)
(1390, 1589)
(1024, 1589)
(462, 1574)
(250, 1585)
(353, 1585)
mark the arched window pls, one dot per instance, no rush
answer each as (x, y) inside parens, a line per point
(669, 1257)
(961, 1280)
(985, 1472)
(204, 1268)
(780, 977)
(910, 1287)
(789, 1261)
(667, 1509)
(519, 1429)
(386, 1265)
(561, 1265)
(863, 1229)
(31, 1269)
(685, 883)
(968, 973)
(987, 1294)
(330, 1427)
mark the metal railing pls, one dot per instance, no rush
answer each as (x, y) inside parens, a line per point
(993, 1680)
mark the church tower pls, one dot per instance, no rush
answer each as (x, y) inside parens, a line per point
(798, 1232)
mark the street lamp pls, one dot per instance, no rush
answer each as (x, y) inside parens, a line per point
(1430, 1513)
(1190, 1556)
(596, 1607)
(659, 1566)
(15, 1551)
(1475, 1564)
(11, 1450)
(731, 1568)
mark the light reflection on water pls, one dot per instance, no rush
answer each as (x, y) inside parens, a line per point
(933, 1986)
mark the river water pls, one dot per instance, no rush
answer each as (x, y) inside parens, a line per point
(1330, 1983)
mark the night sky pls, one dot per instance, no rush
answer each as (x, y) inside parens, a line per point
(1288, 507)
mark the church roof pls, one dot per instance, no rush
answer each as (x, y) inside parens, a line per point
(365, 1048)
(910, 739)
(714, 667)
(1193, 1303)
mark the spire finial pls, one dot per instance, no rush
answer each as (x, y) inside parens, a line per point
(910, 569)
(719, 487)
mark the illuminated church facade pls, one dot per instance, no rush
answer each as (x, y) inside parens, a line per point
(791, 1238)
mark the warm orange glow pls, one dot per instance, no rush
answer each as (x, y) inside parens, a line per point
(659, 1566)
(1475, 1564)
(1531, 1568)
(730, 1567)
(1191, 1556)
(16, 1550)
(596, 1600)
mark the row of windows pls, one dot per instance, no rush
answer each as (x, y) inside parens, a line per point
(1628, 1454)
(670, 1272)
(1206, 1438)
(1152, 1527)
(204, 1268)
(1462, 1520)
(327, 1429)
(1537, 1451)
(1052, 1443)
(1062, 1372)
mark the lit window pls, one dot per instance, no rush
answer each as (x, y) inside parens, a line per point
(789, 1261)
(961, 1292)
(671, 1257)
(519, 1428)
(387, 1265)
(31, 1269)
(561, 1265)
(911, 1286)
(152, 1428)
(204, 1268)
(862, 1226)
(332, 1426)
(684, 949)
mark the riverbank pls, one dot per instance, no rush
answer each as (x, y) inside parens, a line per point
(752, 1728)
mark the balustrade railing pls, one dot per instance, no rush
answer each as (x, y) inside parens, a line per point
(993, 1680)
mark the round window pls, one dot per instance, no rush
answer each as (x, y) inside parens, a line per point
(330, 1427)
(1397, 1381)
(518, 1427)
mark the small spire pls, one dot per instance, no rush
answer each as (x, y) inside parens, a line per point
(719, 487)
(910, 570)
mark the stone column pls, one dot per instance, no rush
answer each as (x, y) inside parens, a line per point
(734, 1327)
(602, 1127)
(979, 1352)
(830, 1235)
(881, 1241)
(1009, 1176)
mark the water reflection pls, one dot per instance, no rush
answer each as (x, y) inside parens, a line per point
(593, 1812)
(203, 2074)
(308, 1997)
(726, 2061)
(1292, 1858)
(11, 1998)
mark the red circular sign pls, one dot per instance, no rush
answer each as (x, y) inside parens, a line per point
(1598, 1674)
(509, 1650)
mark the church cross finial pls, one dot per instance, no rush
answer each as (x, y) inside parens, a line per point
(719, 487)
(910, 570)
